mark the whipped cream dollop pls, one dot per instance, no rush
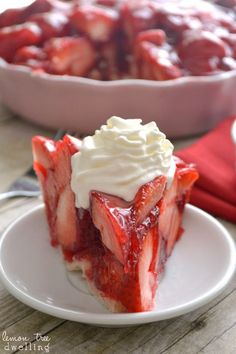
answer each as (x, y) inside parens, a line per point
(122, 156)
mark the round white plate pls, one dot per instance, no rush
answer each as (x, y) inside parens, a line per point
(199, 268)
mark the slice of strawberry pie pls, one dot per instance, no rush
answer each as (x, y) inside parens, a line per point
(114, 204)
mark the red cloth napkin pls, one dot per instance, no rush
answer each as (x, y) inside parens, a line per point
(214, 155)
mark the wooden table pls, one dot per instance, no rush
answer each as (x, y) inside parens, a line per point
(210, 329)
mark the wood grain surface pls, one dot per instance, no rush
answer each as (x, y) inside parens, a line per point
(210, 329)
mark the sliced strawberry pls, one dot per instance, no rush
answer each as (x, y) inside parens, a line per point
(43, 150)
(66, 223)
(16, 16)
(167, 207)
(72, 56)
(110, 219)
(170, 217)
(186, 178)
(174, 229)
(98, 23)
(62, 165)
(138, 17)
(115, 219)
(15, 37)
(72, 143)
(10, 17)
(31, 56)
(52, 162)
(41, 171)
(176, 22)
(223, 19)
(155, 36)
(52, 24)
(41, 6)
(201, 52)
(147, 197)
(154, 63)
(66, 230)
(29, 52)
(147, 269)
(176, 196)
(38, 6)
(187, 175)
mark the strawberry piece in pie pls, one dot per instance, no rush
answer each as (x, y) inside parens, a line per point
(31, 56)
(52, 24)
(98, 23)
(120, 244)
(14, 37)
(155, 62)
(52, 165)
(15, 16)
(68, 55)
(199, 61)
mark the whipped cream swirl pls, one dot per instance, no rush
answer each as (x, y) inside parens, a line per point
(121, 157)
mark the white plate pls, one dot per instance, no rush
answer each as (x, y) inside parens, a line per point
(200, 267)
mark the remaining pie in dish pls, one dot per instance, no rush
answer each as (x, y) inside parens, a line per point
(121, 39)
(120, 244)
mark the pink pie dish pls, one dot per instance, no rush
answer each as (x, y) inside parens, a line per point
(180, 107)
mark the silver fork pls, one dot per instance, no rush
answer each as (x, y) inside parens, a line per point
(27, 185)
